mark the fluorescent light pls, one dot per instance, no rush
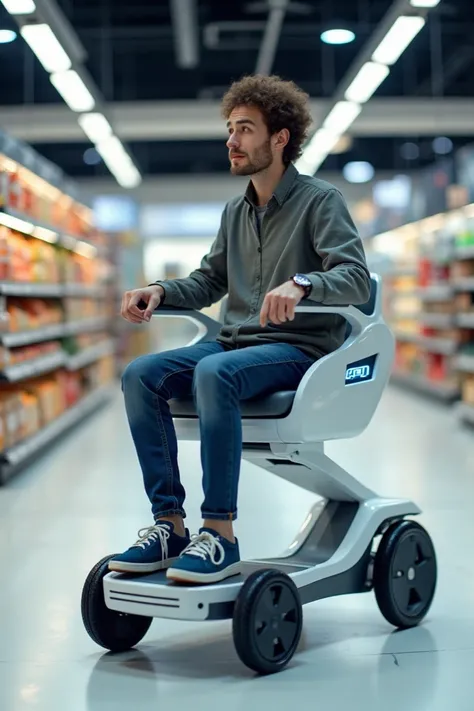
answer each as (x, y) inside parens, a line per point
(367, 81)
(73, 90)
(85, 249)
(337, 36)
(7, 36)
(397, 39)
(341, 117)
(317, 151)
(14, 223)
(119, 162)
(358, 172)
(95, 126)
(45, 234)
(424, 3)
(47, 48)
(129, 179)
(19, 7)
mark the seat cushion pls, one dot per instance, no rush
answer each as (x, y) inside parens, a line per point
(274, 405)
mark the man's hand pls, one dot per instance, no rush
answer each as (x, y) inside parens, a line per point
(150, 295)
(279, 304)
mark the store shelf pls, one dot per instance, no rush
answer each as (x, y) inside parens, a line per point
(464, 363)
(465, 320)
(14, 457)
(436, 292)
(34, 228)
(51, 333)
(52, 361)
(84, 290)
(464, 252)
(436, 320)
(442, 390)
(12, 288)
(33, 368)
(86, 326)
(90, 355)
(464, 284)
(443, 346)
(37, 335)
(465, 412)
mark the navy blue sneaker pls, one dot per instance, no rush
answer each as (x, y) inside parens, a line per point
(157, 548)
(209, 558)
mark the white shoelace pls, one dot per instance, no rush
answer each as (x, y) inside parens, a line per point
(204, 545)
(147, 536)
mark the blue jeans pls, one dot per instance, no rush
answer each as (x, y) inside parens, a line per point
(218, 378)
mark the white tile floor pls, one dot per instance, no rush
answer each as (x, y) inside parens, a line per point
(84, 499)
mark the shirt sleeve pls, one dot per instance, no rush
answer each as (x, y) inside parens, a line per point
(205, 285)
(345, 278)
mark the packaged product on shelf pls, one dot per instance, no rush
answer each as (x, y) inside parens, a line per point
(464, 302)
(71, 387)
(24, 354)
(31, 414)
(2, 429)
(463, 268)
(5, 254)
(76, 309)
(12, 415)
(468, 389)
(26, 314)
(100, 373)
(50, 396)
(45, 265)
(21, 263)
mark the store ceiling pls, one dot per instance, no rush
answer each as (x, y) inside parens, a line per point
(132, 58)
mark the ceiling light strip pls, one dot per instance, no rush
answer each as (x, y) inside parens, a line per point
(402, 31)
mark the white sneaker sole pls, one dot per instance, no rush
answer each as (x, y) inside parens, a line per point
(117, 566)
(186, 576)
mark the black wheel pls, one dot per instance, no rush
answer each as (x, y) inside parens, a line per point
(267, 621)
(113, 630)
(405, 574)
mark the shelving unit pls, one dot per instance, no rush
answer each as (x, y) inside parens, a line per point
(429, 303)
(15, 457)
(57, 308)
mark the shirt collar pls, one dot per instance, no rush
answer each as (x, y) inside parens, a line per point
(282, 189)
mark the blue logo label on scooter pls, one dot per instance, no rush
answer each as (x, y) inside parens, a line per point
(361, 371)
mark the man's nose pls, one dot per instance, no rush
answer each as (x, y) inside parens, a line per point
(233, 141)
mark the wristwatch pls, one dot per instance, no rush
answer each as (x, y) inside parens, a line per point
(302, 280)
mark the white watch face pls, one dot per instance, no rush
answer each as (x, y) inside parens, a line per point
(302, 281)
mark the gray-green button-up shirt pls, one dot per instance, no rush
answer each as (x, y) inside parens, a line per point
(306, 229)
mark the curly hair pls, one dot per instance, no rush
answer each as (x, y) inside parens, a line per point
(282, 103)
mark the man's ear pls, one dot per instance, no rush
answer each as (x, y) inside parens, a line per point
(282, 138)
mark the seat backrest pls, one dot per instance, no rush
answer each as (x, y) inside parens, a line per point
(370, 306)
(223, 308)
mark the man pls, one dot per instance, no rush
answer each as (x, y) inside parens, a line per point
(289, 237)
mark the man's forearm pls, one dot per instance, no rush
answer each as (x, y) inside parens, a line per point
(343, 284)
(193, 292)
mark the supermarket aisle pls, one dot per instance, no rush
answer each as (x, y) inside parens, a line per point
(84, 500)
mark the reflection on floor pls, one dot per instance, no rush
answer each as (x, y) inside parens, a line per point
(84, 499)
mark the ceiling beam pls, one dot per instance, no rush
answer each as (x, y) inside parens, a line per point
(185, 30)
(194, 120)
(271, 36)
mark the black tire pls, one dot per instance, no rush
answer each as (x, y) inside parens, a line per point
(405, 574)
(267, 621)
(112, 630)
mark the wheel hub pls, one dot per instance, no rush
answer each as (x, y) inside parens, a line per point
(413, 576)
